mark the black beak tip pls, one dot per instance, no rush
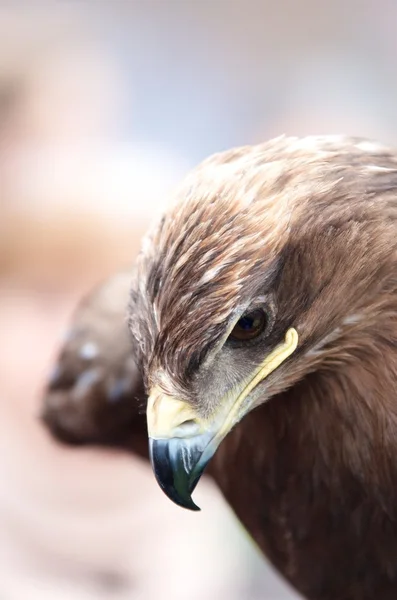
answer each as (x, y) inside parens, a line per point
(171, 472)
(185, 501)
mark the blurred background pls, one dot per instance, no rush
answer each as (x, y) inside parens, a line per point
(103, 108)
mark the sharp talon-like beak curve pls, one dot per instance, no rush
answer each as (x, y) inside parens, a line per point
(180, 446)
(177, 466)
(182, 442)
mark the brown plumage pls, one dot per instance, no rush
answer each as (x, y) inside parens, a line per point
(95, 392)
(306, 231)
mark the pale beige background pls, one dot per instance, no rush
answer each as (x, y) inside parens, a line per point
(103, 107)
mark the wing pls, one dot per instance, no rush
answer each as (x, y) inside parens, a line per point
(95, 394)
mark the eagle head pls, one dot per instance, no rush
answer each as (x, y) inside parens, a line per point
(268, 262)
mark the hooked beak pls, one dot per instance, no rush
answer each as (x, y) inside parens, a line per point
(181, 443)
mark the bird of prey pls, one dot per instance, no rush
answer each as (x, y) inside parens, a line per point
(263, 320)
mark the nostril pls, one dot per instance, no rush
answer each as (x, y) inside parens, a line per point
(188, 428)
(188, 422)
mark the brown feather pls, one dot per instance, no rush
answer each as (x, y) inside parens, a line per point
(311, 471)
(95, 394)
(312, 222)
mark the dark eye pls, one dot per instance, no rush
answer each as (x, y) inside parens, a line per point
(249, 326)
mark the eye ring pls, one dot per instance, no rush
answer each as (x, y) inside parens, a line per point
(249, 326)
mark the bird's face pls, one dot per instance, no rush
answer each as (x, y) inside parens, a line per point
(234, 289)
(185, 434)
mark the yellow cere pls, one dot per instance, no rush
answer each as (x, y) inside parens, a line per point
(271, 362)
(168, 416)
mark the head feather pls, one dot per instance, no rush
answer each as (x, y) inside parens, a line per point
(232, 222)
